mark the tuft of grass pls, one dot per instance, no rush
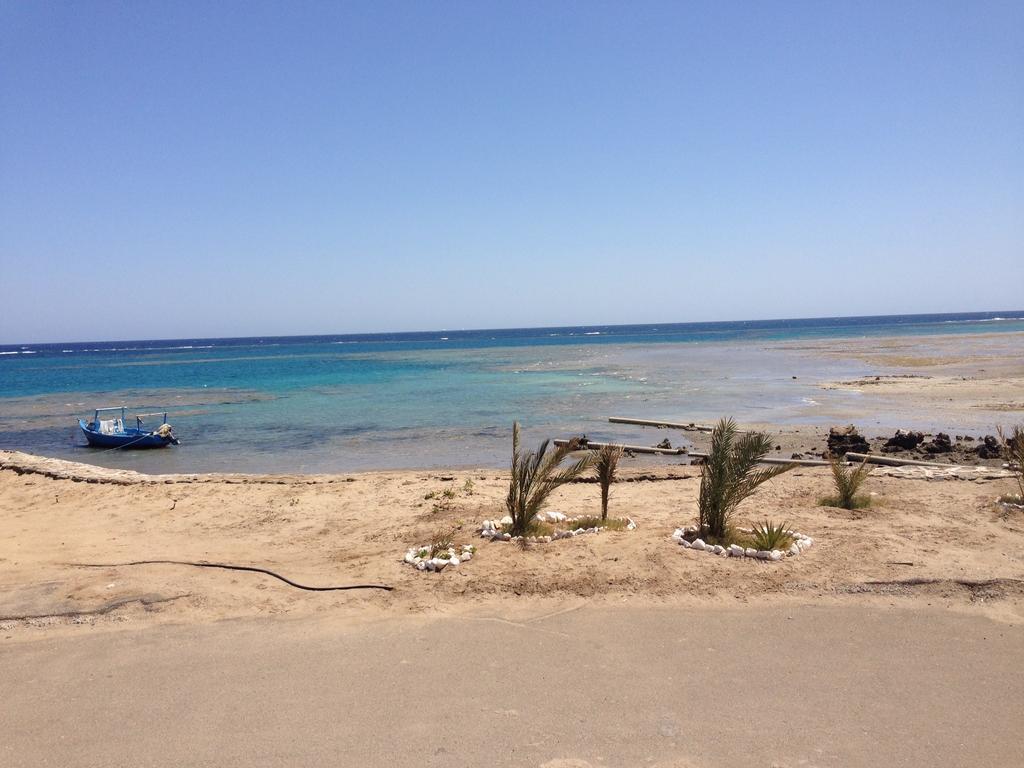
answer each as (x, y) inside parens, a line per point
(730, 474)
(443, 500)
(847, 483)
(468, 486)
(606, 462)
(732, 536)
(442, 539)
(768, 535)
(535, 476)
(1013, 452)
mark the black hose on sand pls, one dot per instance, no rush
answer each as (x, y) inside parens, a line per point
(229, 567)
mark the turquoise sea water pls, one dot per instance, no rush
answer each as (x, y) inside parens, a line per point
(444, 398)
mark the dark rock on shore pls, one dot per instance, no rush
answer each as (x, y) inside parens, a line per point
(989, 449)
(903, 441)
(842, 440)
(939, 444)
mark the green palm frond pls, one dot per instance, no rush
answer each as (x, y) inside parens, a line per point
(606, 462)
(534, 477)
(730, 474)
(769, 536)
(848, 482)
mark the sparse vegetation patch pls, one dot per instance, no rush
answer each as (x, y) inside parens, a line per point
(847, 483)
(552, 526)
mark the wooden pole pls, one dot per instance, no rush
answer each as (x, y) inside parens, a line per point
(591, 445)
(872, 458)
(634, 449)
(665, 424)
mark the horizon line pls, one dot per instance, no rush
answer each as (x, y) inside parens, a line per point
(516, 328)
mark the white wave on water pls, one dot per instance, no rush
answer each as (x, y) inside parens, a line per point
(985, 320)
(8, 353)
(592, 333)
(142, 349)
(809, 401)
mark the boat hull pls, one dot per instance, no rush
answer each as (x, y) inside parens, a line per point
(130, 439)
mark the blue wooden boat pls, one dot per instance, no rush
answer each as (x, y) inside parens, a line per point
(112, 433)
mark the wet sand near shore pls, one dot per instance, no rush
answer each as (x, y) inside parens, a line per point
(950, 383)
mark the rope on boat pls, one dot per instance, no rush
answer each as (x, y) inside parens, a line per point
(161, 432)
(230, 567)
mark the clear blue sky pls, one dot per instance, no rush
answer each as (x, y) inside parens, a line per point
(182, 169)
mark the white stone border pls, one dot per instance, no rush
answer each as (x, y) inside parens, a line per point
(492, 529)
(801, 544)
(418, 557)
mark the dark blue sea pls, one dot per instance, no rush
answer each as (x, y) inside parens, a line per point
(440, 398)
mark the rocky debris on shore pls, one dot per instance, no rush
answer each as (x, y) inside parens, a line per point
(60, 469)
(687, 538)
(989, 448)
(911, 444)
(903, 441)
(843, 440)
(939, 444)
(953, 472)
(665, 444)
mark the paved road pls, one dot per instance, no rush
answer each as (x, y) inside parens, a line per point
(601, 686)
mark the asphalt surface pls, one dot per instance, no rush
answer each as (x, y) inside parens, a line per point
(854, 685)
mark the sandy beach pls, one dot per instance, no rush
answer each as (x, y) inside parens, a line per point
(355, 529)
(628, 640)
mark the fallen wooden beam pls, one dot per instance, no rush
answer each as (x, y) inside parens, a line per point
(632, 448)
(592, 445)
(797, 462)
(889, 461)
(665, 424)
(776, 460)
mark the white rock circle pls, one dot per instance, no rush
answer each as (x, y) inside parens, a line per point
(800, 543)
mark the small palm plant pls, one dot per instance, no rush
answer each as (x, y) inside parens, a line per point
(730, 474)
(848, 483)
(1013, 452)
(606, 461)
(535, 476)
(768, 535)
